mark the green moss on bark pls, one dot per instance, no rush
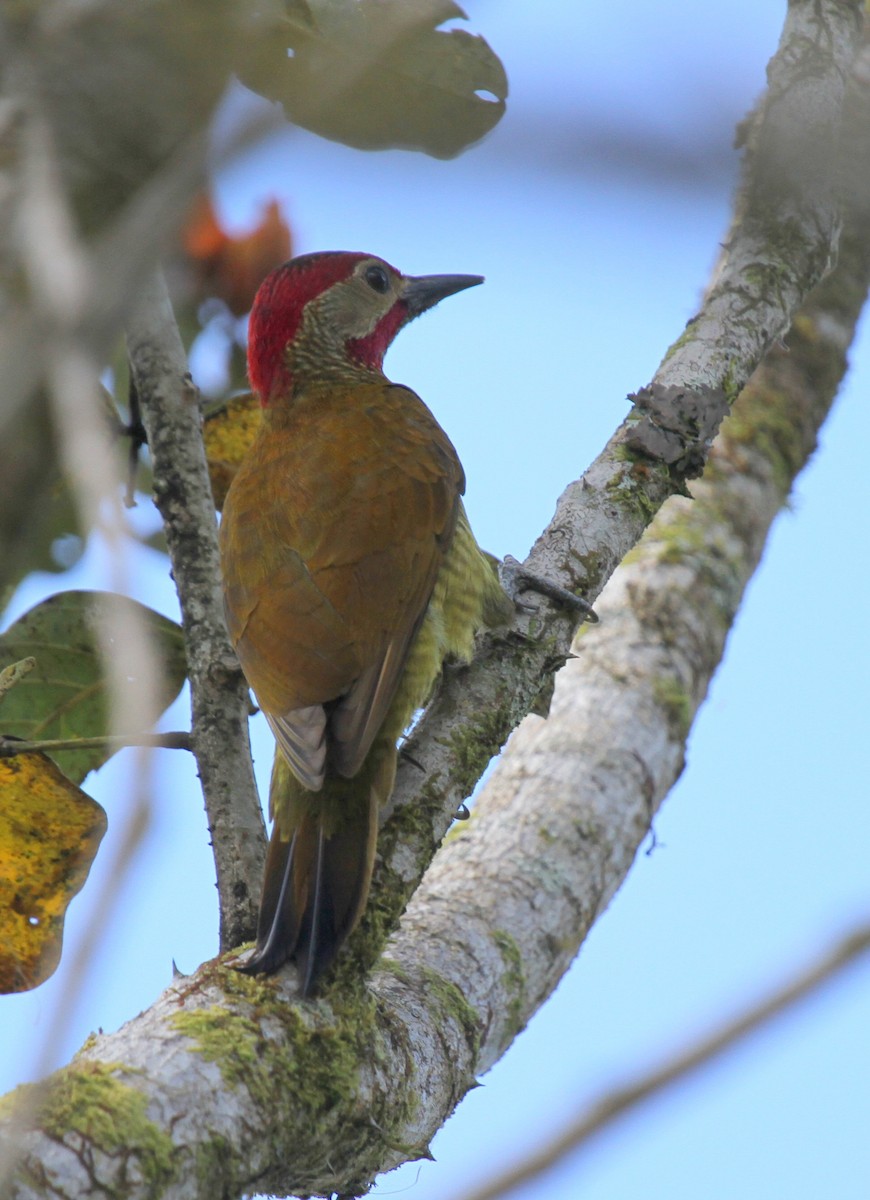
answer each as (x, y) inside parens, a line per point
(474, 745)
(89, 1099)
(676, 703)
(514, 980)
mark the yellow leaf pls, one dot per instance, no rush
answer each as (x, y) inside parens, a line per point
(228, 432)
(49, 834)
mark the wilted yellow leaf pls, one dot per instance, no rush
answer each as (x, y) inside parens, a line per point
(49, 834)
(228, 431)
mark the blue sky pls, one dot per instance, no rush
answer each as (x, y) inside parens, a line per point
(595, 211)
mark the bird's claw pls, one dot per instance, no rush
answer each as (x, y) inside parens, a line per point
(516, 579)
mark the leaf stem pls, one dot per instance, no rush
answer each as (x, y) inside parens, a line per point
(176, 740)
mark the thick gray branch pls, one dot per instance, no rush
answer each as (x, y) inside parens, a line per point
(781, 242)
(219, 693)
(557, 826)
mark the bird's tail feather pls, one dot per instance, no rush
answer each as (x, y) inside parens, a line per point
(319, 865)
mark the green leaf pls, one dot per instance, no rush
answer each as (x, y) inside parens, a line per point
(377, 74)
(65, 695)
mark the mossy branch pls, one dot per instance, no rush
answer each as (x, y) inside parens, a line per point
(665, 439)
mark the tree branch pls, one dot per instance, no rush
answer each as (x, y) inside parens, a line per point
(219, 693)
(223, 1085)
(583, 786)
(783, 238)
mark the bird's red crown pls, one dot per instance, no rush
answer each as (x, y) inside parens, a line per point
(279, 307)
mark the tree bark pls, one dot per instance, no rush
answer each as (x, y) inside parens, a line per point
(219, 692)
(761, 279)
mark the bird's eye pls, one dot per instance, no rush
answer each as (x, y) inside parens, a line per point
(377, 278)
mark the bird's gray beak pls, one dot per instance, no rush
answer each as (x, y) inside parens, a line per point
(423, 291)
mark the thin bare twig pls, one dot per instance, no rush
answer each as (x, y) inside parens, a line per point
(58, 271)
(609, 1107)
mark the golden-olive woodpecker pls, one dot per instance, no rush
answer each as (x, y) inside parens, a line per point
(350, 575)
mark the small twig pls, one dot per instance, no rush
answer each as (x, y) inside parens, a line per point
(178, 740)
(58, 266)
(614, 1104)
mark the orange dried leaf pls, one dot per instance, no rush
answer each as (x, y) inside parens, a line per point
(228, 431)
(248, 259)
(49, 834)
(228, 267)
(202, 236)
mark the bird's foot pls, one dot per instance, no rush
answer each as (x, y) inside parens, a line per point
(515, 580)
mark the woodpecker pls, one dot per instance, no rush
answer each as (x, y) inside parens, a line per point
(350, 574)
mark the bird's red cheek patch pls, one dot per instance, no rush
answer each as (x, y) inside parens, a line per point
(370, 350)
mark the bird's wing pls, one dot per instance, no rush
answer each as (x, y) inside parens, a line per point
(332, 567)
(295, 650)
(410, 486)
(356, 719)
(301, 734)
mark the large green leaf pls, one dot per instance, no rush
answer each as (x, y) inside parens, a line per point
(65, 695)
(380, 73)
